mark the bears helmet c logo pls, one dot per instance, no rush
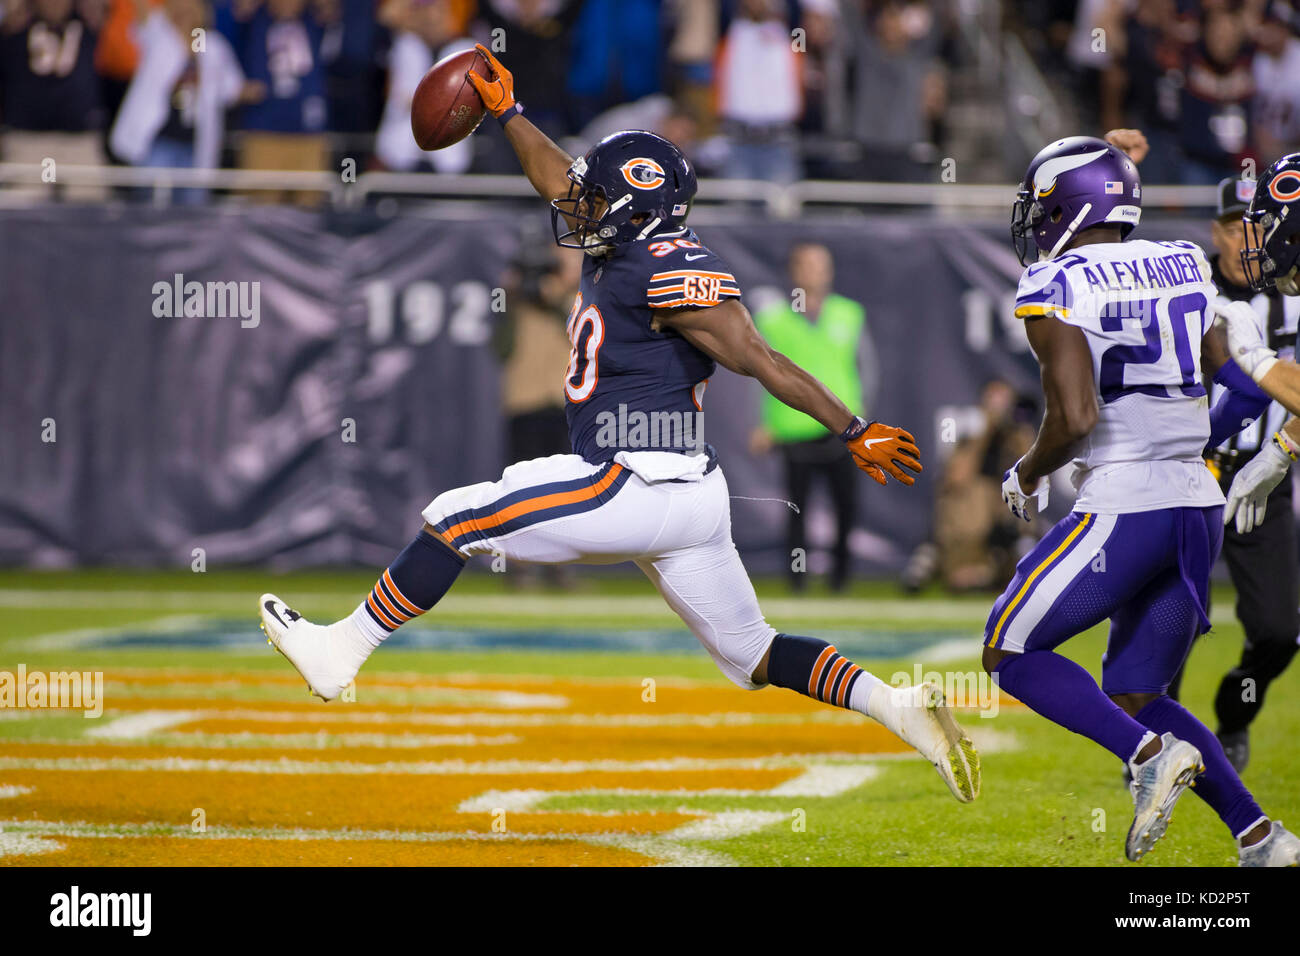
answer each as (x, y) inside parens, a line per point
(1275, 186)
(643, 173)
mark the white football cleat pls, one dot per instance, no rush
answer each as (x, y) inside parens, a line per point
(1280, 848)
(920, 716)
(318, 653)
(1157, 784)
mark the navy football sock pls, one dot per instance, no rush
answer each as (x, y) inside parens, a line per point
(415, 581)
(1219, 786)
(814, 668)
(1063, 692)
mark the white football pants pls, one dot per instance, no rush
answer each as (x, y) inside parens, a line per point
(657, 509)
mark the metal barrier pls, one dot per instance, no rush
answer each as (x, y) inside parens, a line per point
(779, 200)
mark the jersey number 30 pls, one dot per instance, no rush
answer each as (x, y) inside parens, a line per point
(586, 335)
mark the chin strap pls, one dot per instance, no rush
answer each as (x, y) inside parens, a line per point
(1069, 233)
(650, 227)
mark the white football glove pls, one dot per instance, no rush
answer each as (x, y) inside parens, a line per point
(1018, 500)
(1245, 338)
(1251, 486)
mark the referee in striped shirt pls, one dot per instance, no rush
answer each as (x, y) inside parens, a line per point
(1262, 563)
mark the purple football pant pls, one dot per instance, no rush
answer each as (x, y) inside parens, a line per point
(1148, 572)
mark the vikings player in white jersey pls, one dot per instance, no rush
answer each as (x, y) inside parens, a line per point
(1122, 331)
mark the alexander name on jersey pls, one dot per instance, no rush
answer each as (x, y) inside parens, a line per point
(1149, 272)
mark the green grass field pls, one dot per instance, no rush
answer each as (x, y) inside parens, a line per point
(1049, 797)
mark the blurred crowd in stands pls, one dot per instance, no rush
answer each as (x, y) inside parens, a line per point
(1215, 84)
(768, 89)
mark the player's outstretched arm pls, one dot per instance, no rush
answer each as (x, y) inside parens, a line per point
(1280, 379)
(544, 163)
(1242, 402)
(727, 334)
(1069, 394)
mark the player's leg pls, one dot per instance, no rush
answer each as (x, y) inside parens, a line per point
(542, 511)
(1149, 641)
(1073, 579)
(843, 476)
(1088, 568)
(699, 573)
(1264, 572)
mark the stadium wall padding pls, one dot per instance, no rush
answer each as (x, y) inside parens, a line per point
(131, 438)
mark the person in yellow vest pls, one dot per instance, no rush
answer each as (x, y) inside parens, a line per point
(825, 334)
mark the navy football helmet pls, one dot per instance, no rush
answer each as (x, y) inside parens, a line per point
(1074, 183)
(1272, 224)
(626, 175)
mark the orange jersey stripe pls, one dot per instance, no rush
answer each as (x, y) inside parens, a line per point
(529, 505)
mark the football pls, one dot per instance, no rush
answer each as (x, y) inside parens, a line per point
(446, 108)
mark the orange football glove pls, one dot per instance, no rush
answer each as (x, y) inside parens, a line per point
(497, 91)
(878, 449)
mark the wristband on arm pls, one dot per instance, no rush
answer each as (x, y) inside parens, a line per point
(516, 109)
(855, 429)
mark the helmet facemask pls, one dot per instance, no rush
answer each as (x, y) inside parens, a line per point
(1026, 215)
(585, 210)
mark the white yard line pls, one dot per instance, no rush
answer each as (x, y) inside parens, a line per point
(349, 715)
(819, 780)
(26, 837)
(287, 767)
(146, 723)
(726, 825)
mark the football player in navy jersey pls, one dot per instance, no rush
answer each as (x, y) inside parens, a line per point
(656, 313)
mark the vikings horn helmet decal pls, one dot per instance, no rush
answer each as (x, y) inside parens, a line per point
(1071, 185)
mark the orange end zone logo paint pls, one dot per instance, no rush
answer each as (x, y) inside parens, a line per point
(643, 173)
(1276, 189)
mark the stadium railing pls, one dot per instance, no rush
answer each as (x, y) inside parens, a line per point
(783, 201)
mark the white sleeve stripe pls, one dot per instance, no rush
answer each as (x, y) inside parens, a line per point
(681, 273)
(679, 289)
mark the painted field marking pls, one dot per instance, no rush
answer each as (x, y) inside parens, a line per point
(348, 715)
(424, 767)
(429, 696)
(145, 723)
(727, 824)
(24, 844)
(818, 780)
(147, 729)
(26, 837)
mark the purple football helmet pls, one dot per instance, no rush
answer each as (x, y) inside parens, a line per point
(1074, 183)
